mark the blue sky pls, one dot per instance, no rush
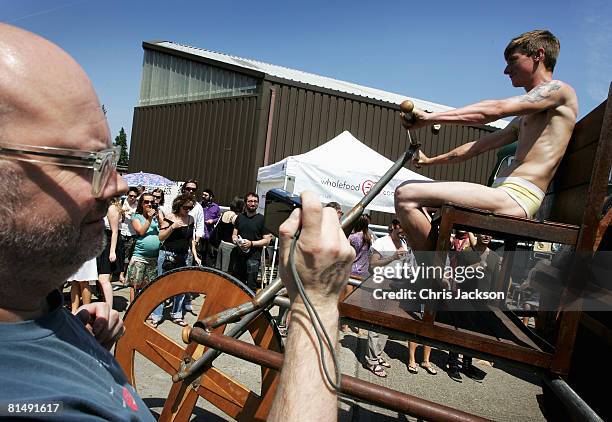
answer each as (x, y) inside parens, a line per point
(449, 52)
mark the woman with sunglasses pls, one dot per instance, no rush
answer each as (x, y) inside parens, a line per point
(143, 264)
(177, 234)
(159, 196)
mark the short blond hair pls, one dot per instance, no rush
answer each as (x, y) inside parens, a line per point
(529, 43)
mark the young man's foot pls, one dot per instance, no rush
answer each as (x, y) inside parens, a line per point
(412, 368)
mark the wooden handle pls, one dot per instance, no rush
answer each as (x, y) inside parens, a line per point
(407, 106)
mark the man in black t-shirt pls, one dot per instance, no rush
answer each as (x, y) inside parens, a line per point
(251, 237)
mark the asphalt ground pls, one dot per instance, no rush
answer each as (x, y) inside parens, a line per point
(505, 394)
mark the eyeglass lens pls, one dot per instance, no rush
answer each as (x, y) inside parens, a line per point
(102, 173)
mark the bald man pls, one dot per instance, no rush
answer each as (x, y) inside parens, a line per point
(57, 167)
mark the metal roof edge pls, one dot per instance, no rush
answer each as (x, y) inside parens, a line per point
(201, 59)
(263, 74)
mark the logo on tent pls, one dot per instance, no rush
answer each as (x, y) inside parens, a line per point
(366, 186)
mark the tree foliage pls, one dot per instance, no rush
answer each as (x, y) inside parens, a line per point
(121, 140)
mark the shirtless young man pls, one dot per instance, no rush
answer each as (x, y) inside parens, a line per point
(546, 117)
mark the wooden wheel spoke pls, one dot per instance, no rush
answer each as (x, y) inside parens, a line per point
(180, 403)
(160, 349)
(227, 394)
(224, 392)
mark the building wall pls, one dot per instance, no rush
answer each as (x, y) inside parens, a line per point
(305, 119)
(221, 142)
(167, 78)
(212, 141)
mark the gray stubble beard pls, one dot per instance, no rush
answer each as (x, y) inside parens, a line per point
(37, 255)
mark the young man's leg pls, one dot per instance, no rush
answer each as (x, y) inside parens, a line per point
(411, 196)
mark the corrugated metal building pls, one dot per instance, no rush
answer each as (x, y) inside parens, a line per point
(218, 118)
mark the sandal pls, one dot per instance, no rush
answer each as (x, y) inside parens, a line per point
(430, 369)
(383, 362)
(377, 370)
(179, 321)
(413, 369)
(152, 323)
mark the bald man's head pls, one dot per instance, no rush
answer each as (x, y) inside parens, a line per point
(41, 86)
(50, 222)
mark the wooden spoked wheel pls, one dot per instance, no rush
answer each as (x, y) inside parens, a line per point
(222, 291)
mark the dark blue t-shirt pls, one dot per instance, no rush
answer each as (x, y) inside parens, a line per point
(55, 359)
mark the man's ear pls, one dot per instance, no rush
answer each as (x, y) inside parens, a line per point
(539, 55)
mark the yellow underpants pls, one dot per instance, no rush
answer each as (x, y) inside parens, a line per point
(526, 194)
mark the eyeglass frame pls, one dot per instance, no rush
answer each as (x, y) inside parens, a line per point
(95, 160)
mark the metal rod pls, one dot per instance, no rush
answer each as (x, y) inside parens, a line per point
(375, 394)
(261, 300)
(266, 295)
(199, 365)
(350, 218)
(579, 410)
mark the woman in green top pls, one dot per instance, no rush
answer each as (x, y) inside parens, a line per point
(142, 268)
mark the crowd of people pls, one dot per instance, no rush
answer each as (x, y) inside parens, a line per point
(56, 152)
(145, 237)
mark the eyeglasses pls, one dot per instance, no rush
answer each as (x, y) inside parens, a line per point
(133, 196)
(190, 189)
(157, 197)
(148, 202)
(102, 162)
(186, 208)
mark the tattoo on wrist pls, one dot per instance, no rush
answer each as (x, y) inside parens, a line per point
(334, 271)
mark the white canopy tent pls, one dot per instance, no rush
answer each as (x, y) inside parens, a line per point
(342, 170)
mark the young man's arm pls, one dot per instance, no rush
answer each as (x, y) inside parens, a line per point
(543, 97)
(466, 151)
(323, 261)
